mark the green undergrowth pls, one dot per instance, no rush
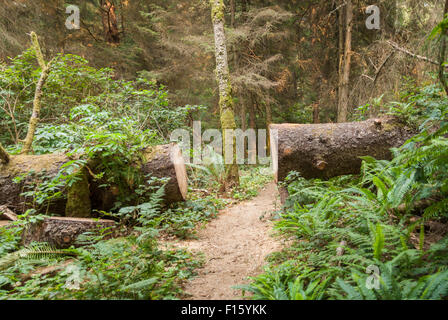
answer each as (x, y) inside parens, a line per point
(132, 266)
(381, 235)
(252, 179)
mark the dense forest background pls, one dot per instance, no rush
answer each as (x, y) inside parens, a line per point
(86, 116)
(284, 56)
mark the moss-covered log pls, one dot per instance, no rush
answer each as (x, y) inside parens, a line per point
(22, 174)
(163, 161)
(333, 149)
(84, 194)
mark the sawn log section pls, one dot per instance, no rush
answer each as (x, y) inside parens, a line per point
(328, 150)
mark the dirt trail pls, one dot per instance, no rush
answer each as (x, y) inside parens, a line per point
(235, 246)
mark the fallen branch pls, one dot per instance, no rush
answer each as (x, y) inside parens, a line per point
(341, 249)
(409, 53)
(6, 213)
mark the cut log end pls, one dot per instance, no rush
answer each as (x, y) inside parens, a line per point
(181, 173)
(273, 144)
(166, 161)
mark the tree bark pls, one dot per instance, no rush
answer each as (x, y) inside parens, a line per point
(85, 194)
(442, 55)
(345, 65)
(227, 115)
(252, 113)
(243, 117)
(232, 13)
(22, 165)
(62, 232)
(328, 150)
(268, 124)
(244, 6)
(110, 23)
(316, 119)
(34, 120)
(163, 161)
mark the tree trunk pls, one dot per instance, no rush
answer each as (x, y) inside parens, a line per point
(340, 51)
(316, 113)
(252, 114)
(442, 55)
(225, 92)
(4, 156)
(244, 4)
(333, 149)
(345, 64)
(85, 194)
(34, 120)
(268, 124)
(232, 13)
(110, 23)
(243, 117)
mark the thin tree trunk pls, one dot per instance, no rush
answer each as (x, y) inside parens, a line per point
(34, 120)
(268, 124)
(442, 55)
(244, 9)
(252, 113)
(345, 77)
(316, 114)
(225, 91)
(340, 51)
(243, 117)
(122, 17)
(110, 23)
(232, 13)
(4, 156)
(244, 6)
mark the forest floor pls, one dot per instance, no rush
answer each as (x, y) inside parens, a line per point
(235, 246)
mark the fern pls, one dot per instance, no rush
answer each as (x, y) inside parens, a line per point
(379, 242)
(37, 251)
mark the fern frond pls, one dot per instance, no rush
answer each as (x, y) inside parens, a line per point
(40, 251)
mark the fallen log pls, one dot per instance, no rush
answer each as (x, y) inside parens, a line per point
(32, 170)
(78, 200)
(328, 150)
(62, 232)
(162, 161)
